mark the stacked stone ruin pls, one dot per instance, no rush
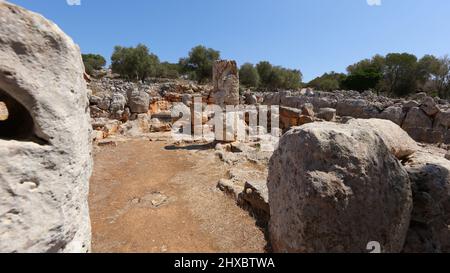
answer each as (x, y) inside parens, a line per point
(426, 119)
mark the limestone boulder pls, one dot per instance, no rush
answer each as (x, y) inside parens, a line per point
(430, 224)
(417, 124)
(138, 101)
(137, 127)
(250, 99)
(308, 110)
(335, 188)
(394, 114)
(45, 145)
(118, 102)
(327, 114)
(442, 121)
(395, 138)
(429, 106)
(357, 108)
(95, 100)
(256, 196)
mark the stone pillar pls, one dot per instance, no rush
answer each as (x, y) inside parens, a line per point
(226, 83)
(45, 142)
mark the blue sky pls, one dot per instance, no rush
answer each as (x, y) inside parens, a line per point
(315, 36)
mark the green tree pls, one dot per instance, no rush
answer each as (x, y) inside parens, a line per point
(361, 81)
(264, 69)
(434, 75)
(248, 75)
(198, 65)
(400, 74)
(134, 63)
(93, 62)
(366, 74)
(328, 81)
(274, 77)
(168, 70)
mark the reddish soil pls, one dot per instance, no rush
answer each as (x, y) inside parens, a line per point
(152, 197)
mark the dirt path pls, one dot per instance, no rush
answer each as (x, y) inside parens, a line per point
(153, 197)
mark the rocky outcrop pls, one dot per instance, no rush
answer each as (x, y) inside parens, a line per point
(45, 150)
(335, 188)
(226, 83)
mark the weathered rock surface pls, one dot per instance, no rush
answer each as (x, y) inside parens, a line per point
(429, 106)
(117, 106)
(417, 124)
(256, 195)
(394, 114)
(327, 114)
(135, 128)
(430, 224)
(138, 101)
(335, 188)
(45, 167)
(251, 99)
(398, 141)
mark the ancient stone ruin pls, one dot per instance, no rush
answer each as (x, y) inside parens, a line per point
(226, 84)
(347, 171)
(45, 142)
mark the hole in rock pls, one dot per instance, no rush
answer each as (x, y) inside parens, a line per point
(3, 111)
(16, 122)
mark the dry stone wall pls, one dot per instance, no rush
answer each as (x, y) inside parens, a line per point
(425, 119)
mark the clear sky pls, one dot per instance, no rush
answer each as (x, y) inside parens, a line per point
(315, 36)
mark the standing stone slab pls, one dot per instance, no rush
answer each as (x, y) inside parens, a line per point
(226, 83)
(45, 145)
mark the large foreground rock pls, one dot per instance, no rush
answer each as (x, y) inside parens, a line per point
(430, 223)
(335, 188)
(45, 149)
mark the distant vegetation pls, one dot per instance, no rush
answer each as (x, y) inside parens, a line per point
(93, 62)
(134, 63)
(396, 74)
(198, 65)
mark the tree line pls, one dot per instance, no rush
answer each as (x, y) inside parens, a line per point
(138, 63)
(396, 74)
